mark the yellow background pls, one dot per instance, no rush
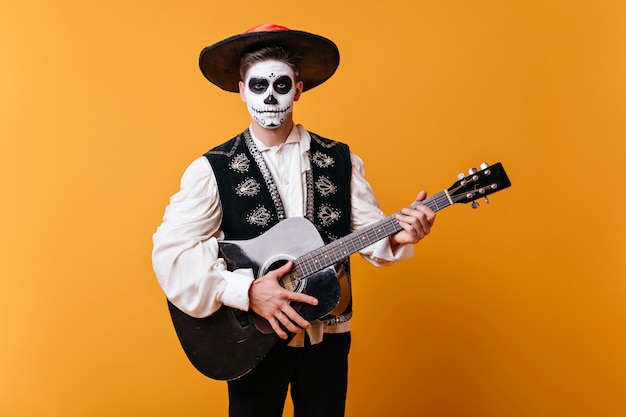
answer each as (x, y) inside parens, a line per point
(515, 309)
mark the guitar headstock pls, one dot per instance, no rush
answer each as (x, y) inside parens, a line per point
(479, 184)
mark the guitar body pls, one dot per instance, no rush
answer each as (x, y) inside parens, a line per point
(230, 342)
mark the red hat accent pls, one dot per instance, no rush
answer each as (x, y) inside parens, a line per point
(266, 27)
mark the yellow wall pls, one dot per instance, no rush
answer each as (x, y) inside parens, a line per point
(515, 309)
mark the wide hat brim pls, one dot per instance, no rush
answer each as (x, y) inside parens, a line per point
(317, 56)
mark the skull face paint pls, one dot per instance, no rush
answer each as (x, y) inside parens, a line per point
(269, 92)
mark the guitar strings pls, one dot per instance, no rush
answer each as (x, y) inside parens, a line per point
(342, 248)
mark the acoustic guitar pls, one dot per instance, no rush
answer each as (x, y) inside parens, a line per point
(229, 343)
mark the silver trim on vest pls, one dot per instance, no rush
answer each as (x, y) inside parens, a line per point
(240, 163)
(248, 188)
(267, 175)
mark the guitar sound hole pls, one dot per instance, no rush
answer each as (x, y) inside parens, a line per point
(289, 281)
(277, 264)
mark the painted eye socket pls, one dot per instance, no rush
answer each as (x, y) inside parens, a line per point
(283, 85)
(258, 85)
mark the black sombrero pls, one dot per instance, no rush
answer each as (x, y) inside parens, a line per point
(317, 57)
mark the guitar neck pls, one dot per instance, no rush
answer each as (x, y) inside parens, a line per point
(340, 249)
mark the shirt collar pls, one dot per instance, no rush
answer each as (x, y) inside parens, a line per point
(298, 135)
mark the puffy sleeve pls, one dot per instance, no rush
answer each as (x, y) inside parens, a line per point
(366, 210)
(185, 254)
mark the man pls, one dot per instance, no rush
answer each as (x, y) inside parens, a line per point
(274, 170)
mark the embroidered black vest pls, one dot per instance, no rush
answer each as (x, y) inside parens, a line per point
(251, 204)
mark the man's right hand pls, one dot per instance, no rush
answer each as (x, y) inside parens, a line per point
(273, 302)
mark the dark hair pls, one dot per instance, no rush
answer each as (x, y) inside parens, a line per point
(277, 53)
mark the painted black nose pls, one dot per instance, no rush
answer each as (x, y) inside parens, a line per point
(270, 100)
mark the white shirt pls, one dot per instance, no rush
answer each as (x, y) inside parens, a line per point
(186, 257)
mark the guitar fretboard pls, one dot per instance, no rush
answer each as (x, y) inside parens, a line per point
(340, 249)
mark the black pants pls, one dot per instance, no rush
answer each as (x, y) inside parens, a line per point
(318, 375)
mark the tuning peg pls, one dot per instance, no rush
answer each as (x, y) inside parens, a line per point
(472, 171)
(486, 199)
(484, 165)
(460, 176)
(475, 204)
